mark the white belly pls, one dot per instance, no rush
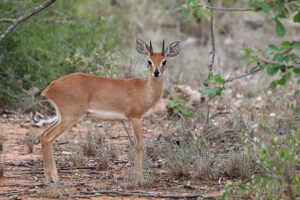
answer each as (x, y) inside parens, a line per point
(106, 115)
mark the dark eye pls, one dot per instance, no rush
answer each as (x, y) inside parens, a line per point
(164, 63)
(149, 63)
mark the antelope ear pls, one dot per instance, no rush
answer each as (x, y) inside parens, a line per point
(142, 47)
(173, 49)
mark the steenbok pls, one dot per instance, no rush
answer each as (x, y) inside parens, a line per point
(79, 94)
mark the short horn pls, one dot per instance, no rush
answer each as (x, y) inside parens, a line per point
(163, 48)
(151, 49)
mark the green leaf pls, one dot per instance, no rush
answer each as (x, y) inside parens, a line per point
(208, 13)
(199, 14)
(272, 69)
(280, 29)
(297, 18)
(254, 69)
(296, 70)
(273, 84)
(178, 9)
(206, 92)
(285, 44)
(296, 45)
(298, 82)
(171, 104)
(254, 2)
(272, 47)
(284, 78)
(209, 92)
(218, 78)
(262, 67)
(185, 14)
(265, 7)
(194, 3)
(282, 68)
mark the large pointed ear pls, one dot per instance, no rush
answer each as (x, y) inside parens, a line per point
(173, 49)
(142, 47)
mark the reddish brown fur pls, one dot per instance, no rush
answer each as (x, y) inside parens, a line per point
(157, 58)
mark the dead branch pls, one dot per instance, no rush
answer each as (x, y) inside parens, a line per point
(288, 65)
(149, 194)
(41, 185)
(127, 133)
(7, 20)
(20, 164)
(11, 197)
(16, 22)
(210, 66)
(17, 192)
(220, 113)
(241, 76)
(212, 37)
(226, 9)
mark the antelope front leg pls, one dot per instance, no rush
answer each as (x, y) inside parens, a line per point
(138, 153)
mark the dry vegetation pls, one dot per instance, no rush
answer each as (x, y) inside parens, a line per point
(183, 155)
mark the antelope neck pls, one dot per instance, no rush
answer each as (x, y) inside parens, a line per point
(155, 87)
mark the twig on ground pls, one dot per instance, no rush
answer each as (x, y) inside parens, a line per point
(226, 9)
(150, 194)
(11, 197)
(16, 22)
(20, 164)
(220, 113)
(129, 138)
(17, 192)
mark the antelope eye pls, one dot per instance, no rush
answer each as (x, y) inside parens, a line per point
(164, 63)
(149, 62)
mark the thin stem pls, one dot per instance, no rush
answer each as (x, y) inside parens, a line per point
(127, 133)
(16, 22)
(226, 9)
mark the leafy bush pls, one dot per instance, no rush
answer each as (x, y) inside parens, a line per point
(278, 159)
(284, 59)
(179, 107)
(64, 38)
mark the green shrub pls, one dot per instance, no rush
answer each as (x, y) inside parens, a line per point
(278, 160)
(66, 37)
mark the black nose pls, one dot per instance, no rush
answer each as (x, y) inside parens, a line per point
(156, 72)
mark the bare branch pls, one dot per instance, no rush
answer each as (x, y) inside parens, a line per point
(226, 9)
(127, 133)
(7, 20)
(241, 76)
(212, 37)
(150, 194)
(288, 65)
(16, 22)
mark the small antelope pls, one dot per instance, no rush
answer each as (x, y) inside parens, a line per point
(79, 94)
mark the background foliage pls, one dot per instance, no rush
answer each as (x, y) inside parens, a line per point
(69, 36)
(261, 110)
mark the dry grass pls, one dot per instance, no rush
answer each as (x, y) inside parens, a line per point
(31, 138)
(2, 139)
(89, 147)
(239, 165)
(77, 158)
(2, 169)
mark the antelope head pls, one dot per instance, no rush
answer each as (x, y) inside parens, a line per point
(157, 61)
